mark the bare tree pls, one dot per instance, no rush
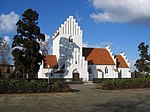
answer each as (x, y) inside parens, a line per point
(5, 50)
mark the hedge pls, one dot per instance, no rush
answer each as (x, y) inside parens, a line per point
(126, 84)
(33, 86)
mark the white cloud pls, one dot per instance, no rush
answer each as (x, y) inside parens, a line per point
(78, 18)
(47, 37)
(46, 43)
(7, 39)
(101, 45)
(106, 43)
(132, 67)
(121, 11)
(85, 44)
(8, 22)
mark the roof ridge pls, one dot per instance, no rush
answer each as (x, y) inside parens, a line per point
(100, 56)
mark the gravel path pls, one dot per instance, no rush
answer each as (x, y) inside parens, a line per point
(84, 98)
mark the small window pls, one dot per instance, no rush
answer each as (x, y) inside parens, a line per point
(75, 57)
(106, 70)
(70, 39)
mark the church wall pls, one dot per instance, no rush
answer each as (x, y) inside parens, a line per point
(125, 72)
(43, 72)
(56, 47)
(97, 74)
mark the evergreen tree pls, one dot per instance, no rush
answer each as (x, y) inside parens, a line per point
(27, 58)
(143, 64)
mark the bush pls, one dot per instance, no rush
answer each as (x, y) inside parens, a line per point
(33, 86)
(126, 83)
(108, 85)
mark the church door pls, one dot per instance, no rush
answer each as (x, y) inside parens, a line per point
(75, 74)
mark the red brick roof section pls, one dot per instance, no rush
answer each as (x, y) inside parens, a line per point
(98, 56)
(121, 63)
(50, 60)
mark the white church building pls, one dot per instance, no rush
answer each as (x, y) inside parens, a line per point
(71, 60)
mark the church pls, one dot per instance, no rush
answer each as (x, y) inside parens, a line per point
(70, 59)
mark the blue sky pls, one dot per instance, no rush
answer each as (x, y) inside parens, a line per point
(121, 24)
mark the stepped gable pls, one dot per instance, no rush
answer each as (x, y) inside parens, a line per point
(121, 63)
(69, 27)
(98, 56)
(50, 60)
(125, 63)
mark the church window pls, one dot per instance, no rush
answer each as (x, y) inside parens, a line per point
(106, 70)
(70, 39)
(79, 59)
(75, 57)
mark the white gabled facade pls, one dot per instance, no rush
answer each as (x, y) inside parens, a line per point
(67, 46)
(75, 61)
(125, 71)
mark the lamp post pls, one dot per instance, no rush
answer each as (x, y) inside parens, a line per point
(48, 74)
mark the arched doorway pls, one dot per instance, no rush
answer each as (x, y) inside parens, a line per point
(75, 74)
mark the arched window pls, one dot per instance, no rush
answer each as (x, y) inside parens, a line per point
(78, 59)
(75, 57)
(70, 39)
(106, 70)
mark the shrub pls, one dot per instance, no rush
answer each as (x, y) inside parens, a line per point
(33, 86)
(108, 85)
(126, 83)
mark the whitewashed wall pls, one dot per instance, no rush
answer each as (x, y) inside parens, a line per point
(70, 53)
(125, 72)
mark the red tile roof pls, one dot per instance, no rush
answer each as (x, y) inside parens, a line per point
(98, 56)
(50, 60)
(121, 63)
